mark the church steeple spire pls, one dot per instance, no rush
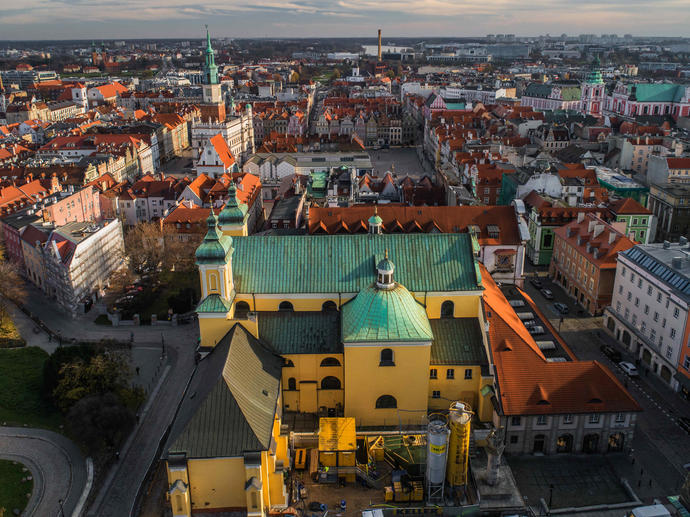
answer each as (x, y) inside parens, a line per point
(210, 67)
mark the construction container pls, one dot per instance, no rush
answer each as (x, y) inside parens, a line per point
(338, 446)
(388, 494)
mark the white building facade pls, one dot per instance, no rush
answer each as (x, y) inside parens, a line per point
(649, 308)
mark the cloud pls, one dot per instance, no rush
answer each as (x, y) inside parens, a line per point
(342, 17)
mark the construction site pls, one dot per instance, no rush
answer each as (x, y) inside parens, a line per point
(439, 469)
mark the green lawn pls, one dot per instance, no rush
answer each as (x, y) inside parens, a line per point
(21, 382)
(12, 489)
(9, 335)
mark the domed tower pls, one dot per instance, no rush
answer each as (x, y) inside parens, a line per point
(232, 220)
(593, 90)
(213, 257)
(386, 337)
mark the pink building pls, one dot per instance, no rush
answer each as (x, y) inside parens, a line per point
(82, 206)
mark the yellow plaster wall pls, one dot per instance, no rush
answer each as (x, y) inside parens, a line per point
(459, 388)
(212, 330)
(366, 381)
(218, 482)
(465, 306)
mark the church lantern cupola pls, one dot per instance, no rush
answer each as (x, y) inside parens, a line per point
(384, 276)
(375, 222)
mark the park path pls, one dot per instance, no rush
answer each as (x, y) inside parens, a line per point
(58, 468)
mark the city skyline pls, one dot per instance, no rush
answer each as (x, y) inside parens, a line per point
(313, 18)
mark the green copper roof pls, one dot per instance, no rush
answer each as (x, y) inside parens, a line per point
(375, 220)
(213, 303)
(594, 75)
(347, 263)
(215, 247)
(210, 67)
(233, 212)
(385, 315)
(543, 91)
(386, 264)
(301, 332)
(457, 341)
(662, 92)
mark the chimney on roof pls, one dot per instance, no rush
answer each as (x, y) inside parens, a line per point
(592, 224)
(612, 237)
(598, 229)
(683, 241)
(667, 245)
(580, 217)
(677, 262)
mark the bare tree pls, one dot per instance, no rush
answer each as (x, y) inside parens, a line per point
(144, 249)
(11, 284)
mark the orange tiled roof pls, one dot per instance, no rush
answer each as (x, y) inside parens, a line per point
(590, 241)
(221, 147)
(446, 219)
(529, 384)
(628, 205)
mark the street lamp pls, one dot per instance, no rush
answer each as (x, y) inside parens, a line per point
(62, 510)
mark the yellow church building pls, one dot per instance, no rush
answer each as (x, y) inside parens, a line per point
(383, 328)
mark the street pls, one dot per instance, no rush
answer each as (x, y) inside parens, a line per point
(660, 447)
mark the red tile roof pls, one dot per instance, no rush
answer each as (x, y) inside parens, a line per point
(446, 219)
(529, 384)
(678, 163)
(221, 147)
(627, 205)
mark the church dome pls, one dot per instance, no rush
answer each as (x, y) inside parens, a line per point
(385, 315)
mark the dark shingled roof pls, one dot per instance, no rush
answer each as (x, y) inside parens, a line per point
(230, 405)
(301, 332)
(457, 341)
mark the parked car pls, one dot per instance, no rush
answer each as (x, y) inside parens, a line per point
(547, 294)
(684, 422)
(536, 283)
(628, 368)
(611, 353)
(561, 307)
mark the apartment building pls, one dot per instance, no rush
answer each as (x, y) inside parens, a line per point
(649, 309)
(584, 260)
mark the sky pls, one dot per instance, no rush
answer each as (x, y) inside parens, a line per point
(105, 19)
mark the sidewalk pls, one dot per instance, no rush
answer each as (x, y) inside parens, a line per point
(84, 328)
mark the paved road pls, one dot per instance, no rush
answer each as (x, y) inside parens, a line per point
(660, 446)
(116, 498)
(165, 379)
(56, 464)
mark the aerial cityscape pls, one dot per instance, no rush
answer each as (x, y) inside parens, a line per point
(358, 259)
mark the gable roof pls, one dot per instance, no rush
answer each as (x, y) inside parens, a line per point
(347, 263)
(627, 205)
(230, 404)
(530, 385)
(222, 149)
(445, 219)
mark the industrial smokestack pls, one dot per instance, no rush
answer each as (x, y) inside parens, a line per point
(379, 45)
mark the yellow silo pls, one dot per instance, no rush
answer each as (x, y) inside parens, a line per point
(460, 415)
